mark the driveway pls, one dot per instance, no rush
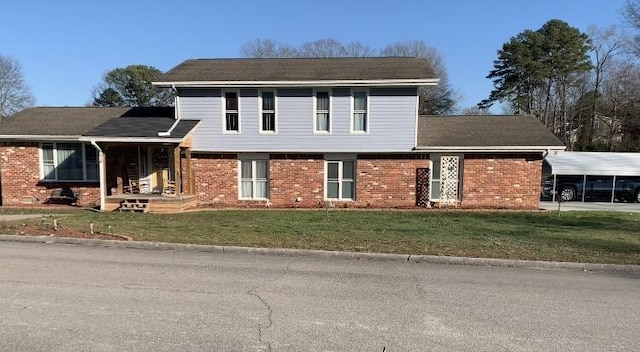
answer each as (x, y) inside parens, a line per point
(77, 298)
(591, 206)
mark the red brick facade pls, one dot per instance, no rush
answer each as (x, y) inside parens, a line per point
(20, 177)
(502, 181)
(297, 180)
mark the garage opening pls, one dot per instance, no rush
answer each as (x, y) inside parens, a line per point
(591, 177)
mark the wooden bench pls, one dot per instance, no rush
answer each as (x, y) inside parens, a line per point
(63, 195)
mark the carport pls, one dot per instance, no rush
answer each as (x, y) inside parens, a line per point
(592, 176)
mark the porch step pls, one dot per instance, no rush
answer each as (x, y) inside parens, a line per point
(133, 205)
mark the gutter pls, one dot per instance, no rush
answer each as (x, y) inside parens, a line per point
(487, 149)
(167, 133)
(318, 83)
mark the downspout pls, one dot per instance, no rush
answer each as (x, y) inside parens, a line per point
(167, 133)
(101, 171)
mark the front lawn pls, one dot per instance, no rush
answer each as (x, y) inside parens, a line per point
(596, 237)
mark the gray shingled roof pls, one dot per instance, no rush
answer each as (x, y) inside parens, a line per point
(141, 122)
(299, 69)
(142, 127)
(484, 131)
(57, 121)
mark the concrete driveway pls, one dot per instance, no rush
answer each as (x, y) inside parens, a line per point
(591, 206)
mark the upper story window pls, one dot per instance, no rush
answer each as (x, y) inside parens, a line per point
(360, 118)
(322, 117)
(231, 116)
(68, 162)
(268, 118)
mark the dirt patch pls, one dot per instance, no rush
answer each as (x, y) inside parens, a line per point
(48, 230)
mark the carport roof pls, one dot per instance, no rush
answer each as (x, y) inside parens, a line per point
(594, 163)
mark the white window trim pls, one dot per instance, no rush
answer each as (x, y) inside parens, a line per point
(224, 112)
(315, 110)
(340, 178)
(275, 112)
(352, 111)
(253, 158)
(55, 163)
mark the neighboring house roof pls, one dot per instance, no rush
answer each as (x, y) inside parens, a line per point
(484, 132)
(291, 71)
(594, 163)
(95, 123)
(56, 121)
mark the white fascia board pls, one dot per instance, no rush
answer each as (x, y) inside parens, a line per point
(38, 138)
(132, 139)
(271, 84)
(489, 149)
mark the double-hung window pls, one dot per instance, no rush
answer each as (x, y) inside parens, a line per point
(322, 118)
(268, 118)
(359, 119)
(254, 179)
(231, 112)
(68, 162)
(340, 177)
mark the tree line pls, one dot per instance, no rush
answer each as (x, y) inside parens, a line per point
(585, 87)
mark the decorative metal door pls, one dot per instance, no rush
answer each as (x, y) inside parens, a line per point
(422, 187)
(449, 179)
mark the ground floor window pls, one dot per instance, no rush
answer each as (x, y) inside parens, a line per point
(340, 176)
(68, 162)
(254, 179)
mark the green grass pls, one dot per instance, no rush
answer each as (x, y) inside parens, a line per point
(596, 237)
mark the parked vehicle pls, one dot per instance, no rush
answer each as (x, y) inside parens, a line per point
(596, 188)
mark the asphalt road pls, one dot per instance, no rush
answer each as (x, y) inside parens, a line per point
(80, 298)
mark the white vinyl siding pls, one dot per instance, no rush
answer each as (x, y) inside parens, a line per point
(391, 122)
(68, 162)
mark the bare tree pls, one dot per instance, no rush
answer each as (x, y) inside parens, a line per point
(267, 48)
(437, 100)
(475, 110)
(15, 95)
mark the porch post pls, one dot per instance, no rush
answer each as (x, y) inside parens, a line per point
(187, 177)
(102, 175)
(177, 170)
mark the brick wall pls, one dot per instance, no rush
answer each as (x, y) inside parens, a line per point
(20, 177)
(501, 181)
(216, 178)
(296, 180)
(387, 181)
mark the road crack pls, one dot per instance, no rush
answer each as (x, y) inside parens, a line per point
(262, 327)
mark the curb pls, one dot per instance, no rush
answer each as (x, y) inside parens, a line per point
(285, 252)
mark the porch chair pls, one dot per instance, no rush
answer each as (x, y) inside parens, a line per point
(134, 180)
(168, 186)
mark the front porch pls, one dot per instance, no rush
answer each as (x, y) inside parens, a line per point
(150, 203)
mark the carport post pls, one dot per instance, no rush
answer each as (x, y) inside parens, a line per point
(584, 186)
(553, 192)
(613, 189)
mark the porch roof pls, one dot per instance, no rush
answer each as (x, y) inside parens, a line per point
(141, 128)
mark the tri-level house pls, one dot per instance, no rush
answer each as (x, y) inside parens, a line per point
(292, 133)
